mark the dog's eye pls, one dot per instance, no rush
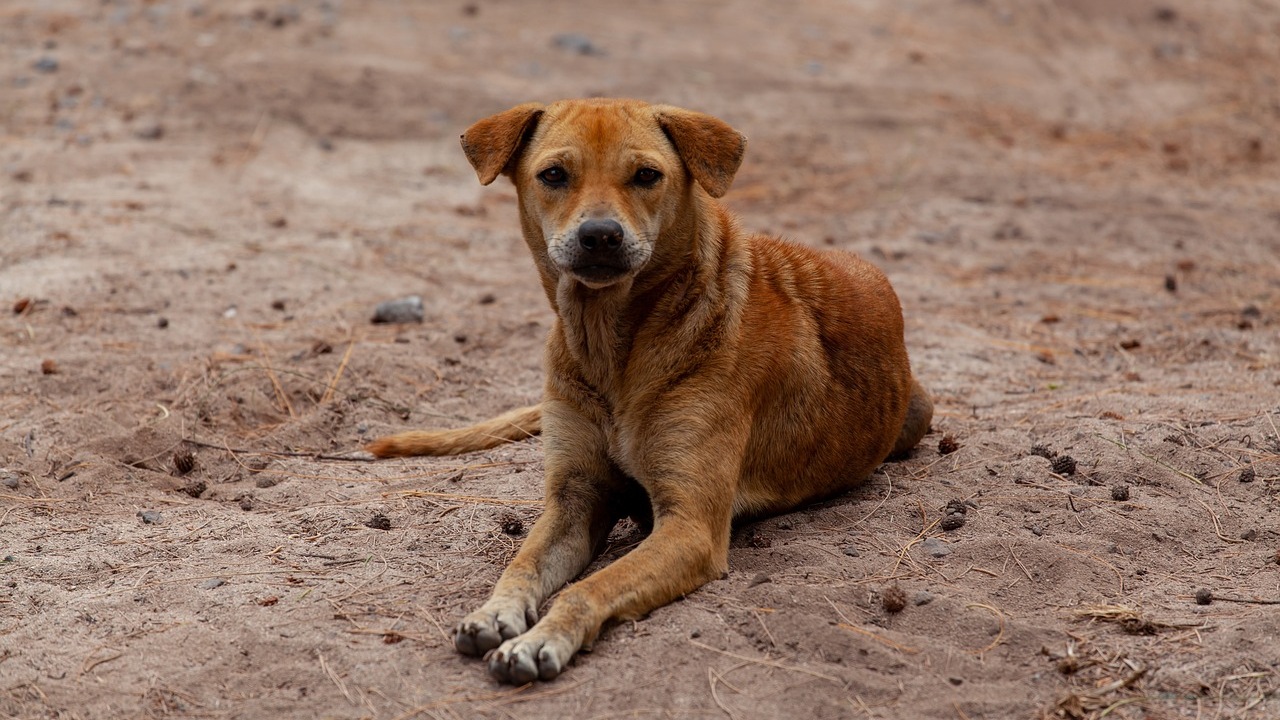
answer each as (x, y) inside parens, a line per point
(554, 176)
(646, 177)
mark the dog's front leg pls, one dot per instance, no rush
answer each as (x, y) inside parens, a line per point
(581, 508)
(689, 545)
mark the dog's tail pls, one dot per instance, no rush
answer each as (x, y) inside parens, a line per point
(916, 425)
(508, 427)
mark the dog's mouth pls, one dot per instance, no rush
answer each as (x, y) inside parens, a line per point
(599, 275)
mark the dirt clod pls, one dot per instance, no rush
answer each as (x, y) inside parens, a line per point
(184, 461)
(1043, 451)
(1064, 465)
(378, 522)
(954, 521)
(1247, 475)
(948, 444)
(195, 488)
(1119, 493)
(1204, 596)
(511, 524)
(245, 502)
(893, 599)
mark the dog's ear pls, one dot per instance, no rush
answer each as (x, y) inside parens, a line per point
(493, 144)
(710, 149)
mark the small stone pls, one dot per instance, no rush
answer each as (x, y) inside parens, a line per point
(46, 64)
(154, 131)
(1204, 596)
(10, 481)
(1120, 493)
(150, 517)
(695, 634)
(278, 305)
(266, 481)
(1249, 535)
(162, 322)
(1248, 475)
(924, 597)
(759, 579)
(576, 43)
(212, 583)
(488, 299)
(378, 522)
(404, 310)
(954, 521)
(1064, 465)
(956, 681)
(851, 551)
(1171, 283)
(935, 547)
(48, 367)
(245, 502)
(1036, 530)
(785, 524)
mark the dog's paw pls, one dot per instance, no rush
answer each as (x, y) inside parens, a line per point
(528, 658)
(486, 628)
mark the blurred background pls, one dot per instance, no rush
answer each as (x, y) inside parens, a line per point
(201, 203)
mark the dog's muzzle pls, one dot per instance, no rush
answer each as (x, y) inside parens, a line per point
(601, 254)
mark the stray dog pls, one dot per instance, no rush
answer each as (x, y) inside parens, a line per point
(696, 374)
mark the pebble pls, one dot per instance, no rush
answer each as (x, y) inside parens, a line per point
(851, 551)
(576, 43)
(154, 131)
(46, 64)
(954, 521)
(213, 583)
(10, 480)
(404, 310)
(935, 547)
(759, 579)
(924, 597)
(150, 517)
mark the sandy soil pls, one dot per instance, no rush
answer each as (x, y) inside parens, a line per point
(1078, 202)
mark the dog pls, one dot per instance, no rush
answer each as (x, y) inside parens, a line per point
(696, 375)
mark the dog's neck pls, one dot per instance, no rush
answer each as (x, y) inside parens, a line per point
(683, 287)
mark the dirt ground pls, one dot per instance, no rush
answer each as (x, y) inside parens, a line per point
(1078, 202)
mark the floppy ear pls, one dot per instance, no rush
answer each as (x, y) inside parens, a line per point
(493, 144)
(710, 149)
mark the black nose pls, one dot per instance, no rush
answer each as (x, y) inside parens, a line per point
(600, 234)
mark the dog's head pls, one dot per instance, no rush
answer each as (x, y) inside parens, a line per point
(601, 181)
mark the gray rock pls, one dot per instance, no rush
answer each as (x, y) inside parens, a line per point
(212, 583)
(404, 310)
(924, 597)
(935, 547)
(576, 43)
(46, 64)
(10, 480)
(150, 517)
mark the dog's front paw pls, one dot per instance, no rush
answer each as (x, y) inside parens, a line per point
(486, 628)
(529, 658)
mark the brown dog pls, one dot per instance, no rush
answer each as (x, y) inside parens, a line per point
(695, 374)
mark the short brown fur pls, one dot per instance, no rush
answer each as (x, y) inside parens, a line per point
(715, 374)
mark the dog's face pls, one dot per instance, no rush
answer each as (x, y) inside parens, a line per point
(601, 181)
